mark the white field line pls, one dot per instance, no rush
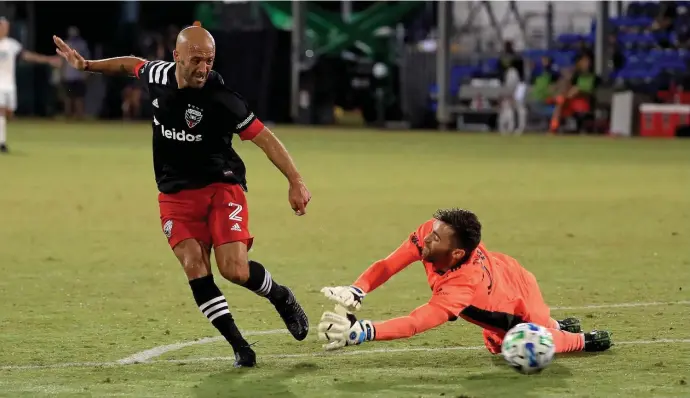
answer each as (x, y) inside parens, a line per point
(146, 355)
(164, 349)
(149, 355)
(302, 355)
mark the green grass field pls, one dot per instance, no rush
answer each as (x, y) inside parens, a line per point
(88, 279)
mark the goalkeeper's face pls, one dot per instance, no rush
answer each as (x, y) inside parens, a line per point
(440, 247)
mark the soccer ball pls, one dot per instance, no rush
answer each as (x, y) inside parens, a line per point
(528, 348)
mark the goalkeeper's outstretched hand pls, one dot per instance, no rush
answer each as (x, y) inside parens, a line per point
(349, 297)
(343, 329)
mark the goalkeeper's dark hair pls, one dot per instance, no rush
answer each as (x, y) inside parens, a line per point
(465, 224)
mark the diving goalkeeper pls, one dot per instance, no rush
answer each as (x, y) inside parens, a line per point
(488, 289)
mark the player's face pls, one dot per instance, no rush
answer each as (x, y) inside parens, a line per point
(196, 62)
(4, 29)
(440, 247)
(584, 64)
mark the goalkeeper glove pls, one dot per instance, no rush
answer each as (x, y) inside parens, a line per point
(349, 297)
(344, 330)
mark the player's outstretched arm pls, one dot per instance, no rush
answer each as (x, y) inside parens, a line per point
(298, 194)
(110, 66)
(342, 329)
(30, 56)
(377, 274)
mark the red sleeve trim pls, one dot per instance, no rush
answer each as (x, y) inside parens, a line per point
(252, 130)
(138, 67)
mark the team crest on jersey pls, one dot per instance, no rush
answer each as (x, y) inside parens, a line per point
(193, 115)
(167, 228)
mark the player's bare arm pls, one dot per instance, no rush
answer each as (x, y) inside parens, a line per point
(109, 66)
(276, 152)
(30, 56)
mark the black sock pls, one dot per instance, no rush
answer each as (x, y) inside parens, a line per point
(261, 283)
(212, 303)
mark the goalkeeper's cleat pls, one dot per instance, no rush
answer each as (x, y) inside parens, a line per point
(598, 340)
(293, 315)
(571, 325)
(245, 357)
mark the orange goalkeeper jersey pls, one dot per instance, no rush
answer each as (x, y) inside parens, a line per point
(491, 290)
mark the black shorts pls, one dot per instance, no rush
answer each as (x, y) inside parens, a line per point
(75, 89)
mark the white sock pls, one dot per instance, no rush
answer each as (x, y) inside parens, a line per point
(3, 127)
(521, 118)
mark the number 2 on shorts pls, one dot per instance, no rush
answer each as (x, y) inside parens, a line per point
(234, 216)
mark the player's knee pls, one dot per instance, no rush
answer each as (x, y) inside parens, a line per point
(195, 268)
(235, 270)
(194, 261)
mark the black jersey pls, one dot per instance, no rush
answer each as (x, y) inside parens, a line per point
(193, 129)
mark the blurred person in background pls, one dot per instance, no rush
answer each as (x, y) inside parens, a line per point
(578, 98)
(664, 22)
(668, 12)
(542, 96)
(512, 116)
(512, 104)
(74, 81)
(9, 50)
(510, 59)
(152, 47)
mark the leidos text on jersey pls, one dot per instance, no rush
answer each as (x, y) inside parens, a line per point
(180, 135)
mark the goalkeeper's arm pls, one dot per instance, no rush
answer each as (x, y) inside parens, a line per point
(445, 304)
(425, 317)
(350, 297)
(380, 271)
(344, 329)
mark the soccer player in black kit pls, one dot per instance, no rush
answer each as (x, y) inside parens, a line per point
(201, 178)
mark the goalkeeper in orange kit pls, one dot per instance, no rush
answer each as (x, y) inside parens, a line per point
(488, 289)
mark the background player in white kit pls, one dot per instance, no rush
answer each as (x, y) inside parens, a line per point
(9, 49)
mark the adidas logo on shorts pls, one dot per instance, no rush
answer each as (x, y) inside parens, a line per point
(236, 227)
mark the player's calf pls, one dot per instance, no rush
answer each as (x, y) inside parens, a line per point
(211, 302)
(213, 305)
(233, 263)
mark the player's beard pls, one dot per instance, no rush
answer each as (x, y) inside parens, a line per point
(426, 254)
(199, 79)
(196, 80)
(439, 261)
(192, 77)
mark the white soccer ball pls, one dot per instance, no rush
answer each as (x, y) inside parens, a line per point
(528, 348)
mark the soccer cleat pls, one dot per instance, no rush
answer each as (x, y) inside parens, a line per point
(245, 357)
(598, 340)
(3, 148)
(571, 325)
(293, 315)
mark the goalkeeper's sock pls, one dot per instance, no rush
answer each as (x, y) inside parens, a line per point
(261, 283)
(212, 304)
(567, 342)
